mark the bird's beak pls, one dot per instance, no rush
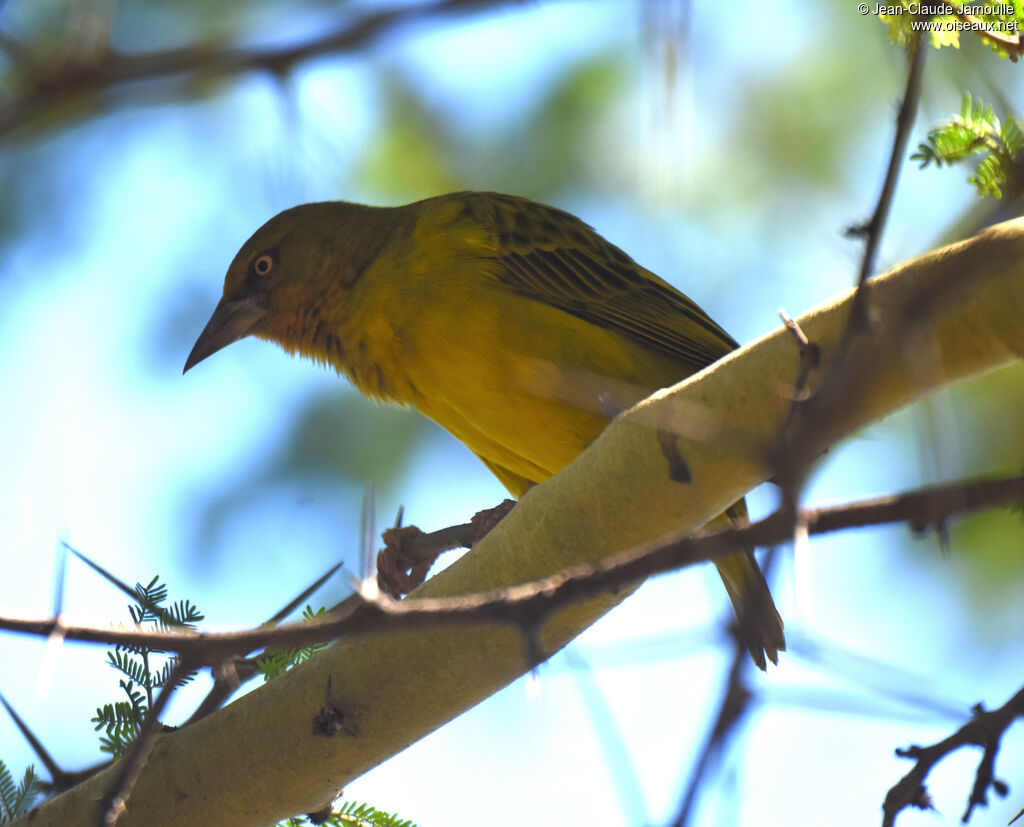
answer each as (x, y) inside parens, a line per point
(231, 321)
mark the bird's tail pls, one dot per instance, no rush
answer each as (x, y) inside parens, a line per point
(760, 626)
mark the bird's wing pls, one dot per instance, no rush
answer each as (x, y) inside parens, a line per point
(555, 258)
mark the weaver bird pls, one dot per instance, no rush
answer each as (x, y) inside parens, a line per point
(505, 321)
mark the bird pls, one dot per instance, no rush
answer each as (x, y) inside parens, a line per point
(508, 322)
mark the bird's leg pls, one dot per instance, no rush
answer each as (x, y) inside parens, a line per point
(408, 553)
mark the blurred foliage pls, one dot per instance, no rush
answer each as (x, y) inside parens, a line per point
(352, 814)
(412, 156)
(990, 440)
(970, 431)
(795, 126)
(419, 152)
(559, 143)
(340, 430)
(59, 28)
(145, 670)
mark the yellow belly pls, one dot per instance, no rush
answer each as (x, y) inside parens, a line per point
(526, 388)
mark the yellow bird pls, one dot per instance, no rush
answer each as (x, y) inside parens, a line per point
(507, 322)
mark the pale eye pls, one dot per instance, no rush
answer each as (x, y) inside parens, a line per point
(263, 264)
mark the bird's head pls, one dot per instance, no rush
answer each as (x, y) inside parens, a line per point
(300, 262)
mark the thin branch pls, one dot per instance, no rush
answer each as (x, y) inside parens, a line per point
(113, 803)
(231, 673)
(733, 707)
(984, 730)
(920, 509)
(874, 228)
(74, 79)
(736, 702)
(525, 604)
(802, 412)
(731, 710)
(835, 387)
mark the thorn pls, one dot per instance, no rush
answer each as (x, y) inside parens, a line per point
(856, 230)
(62, 567)
(922, 800)
(365, 587)
(301, 597)
(942, 532)
(44, 757)
(534, 648)
(368, 531)
(134, 594)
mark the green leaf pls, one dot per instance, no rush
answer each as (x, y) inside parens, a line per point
(977, 131)
(145, 669)
(17, 799)
(354, 814)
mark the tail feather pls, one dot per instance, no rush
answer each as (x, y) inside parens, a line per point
(760, 626)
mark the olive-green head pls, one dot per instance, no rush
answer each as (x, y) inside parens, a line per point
(301, 261)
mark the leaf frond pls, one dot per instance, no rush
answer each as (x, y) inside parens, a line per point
(17, 799)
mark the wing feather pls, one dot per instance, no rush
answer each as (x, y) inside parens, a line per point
(553, 257)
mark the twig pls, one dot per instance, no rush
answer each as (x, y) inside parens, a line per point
(75, 79)
(790, 464)
(524, 604)
(835, 383)
(128, 768)
(846, 376)
(984, 730)
(735, 703)
(733, 706)
(872, 231)
(231, 673)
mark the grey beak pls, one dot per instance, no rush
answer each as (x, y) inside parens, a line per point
(231, 321)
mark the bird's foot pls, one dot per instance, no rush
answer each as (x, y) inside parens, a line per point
(408, 553)
(397, 573)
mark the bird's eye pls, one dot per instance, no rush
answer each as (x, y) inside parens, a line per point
(263, 264)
